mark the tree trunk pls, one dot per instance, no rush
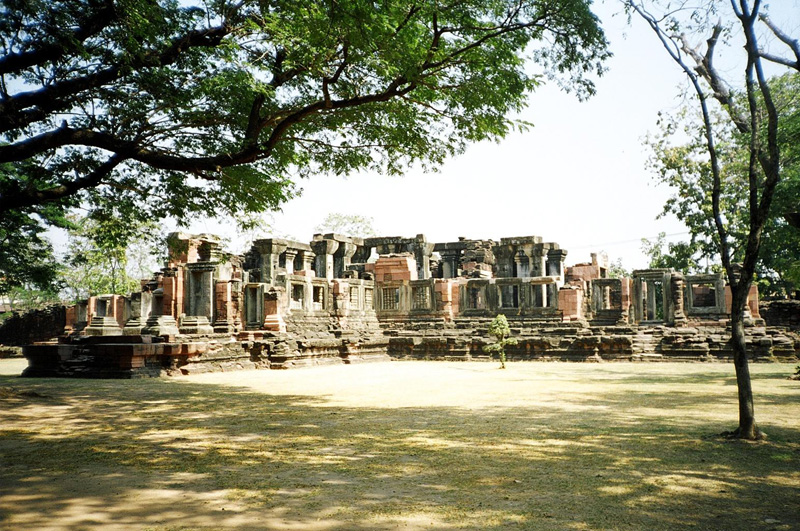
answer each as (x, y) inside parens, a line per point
(747, 421)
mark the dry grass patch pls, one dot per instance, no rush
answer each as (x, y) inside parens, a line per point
(402, 445)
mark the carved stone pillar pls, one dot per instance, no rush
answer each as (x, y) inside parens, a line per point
(538, 261)
(449, 263)
(342, 258)
(308, 260)
(678, 303)
(504, 254)
(555, 264)
(324, 250)
(422, 253)
(269, 251)
(290, 254)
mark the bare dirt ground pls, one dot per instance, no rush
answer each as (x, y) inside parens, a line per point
(401, 445)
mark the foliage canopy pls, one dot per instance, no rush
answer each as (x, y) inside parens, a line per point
(188, 107)
(685, 167)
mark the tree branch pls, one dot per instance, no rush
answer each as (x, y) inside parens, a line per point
(28, 107)
(50, 52)
(18, 198)
(793, 44)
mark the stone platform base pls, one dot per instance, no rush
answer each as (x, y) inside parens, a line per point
(143, 355)
(147, 356)
(579, 342)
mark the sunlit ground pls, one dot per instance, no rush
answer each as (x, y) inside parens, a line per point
(409, 445)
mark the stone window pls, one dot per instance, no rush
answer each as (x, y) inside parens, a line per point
(475, 297)
(354, 297)
(421, 298)
(318, 298)
(298, 292)
(368, 302)
(390, 298)
(509, 296)
(704, 295)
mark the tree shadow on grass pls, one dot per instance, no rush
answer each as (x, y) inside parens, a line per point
(179, 455)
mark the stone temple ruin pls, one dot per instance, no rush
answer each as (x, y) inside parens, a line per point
(342, 300)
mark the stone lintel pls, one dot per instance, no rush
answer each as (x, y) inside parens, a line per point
(520, 240)
(198, 267)
(449, 247)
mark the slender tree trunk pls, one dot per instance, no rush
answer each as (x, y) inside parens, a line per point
(747, 420)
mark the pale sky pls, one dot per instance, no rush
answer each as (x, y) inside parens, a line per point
(577, 178)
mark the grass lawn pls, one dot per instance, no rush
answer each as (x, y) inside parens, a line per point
(401, 445)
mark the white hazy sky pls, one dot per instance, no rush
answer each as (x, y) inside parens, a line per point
(577, 178)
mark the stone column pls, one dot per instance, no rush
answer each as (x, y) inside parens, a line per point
(324, 250)
(552, 295)
(538, 261)
(362, 254)
(422, 253)
(308, 260)
(269, 251)
(504, 255)
(523, 264)
(449, 264)
(555, 264)
(342, 258)
(290, 254)
(678, 313)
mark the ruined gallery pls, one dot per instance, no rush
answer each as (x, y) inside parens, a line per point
(343, 300)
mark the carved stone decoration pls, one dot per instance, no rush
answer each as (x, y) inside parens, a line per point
(678, 311)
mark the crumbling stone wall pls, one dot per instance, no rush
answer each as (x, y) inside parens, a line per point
(33, 326)
(781, 313)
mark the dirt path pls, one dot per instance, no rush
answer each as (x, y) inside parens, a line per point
(399, 445)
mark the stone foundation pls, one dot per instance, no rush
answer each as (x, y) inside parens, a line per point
(465, 339)
(423, 339)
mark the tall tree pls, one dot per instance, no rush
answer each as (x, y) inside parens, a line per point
(680, 160)
(27, 261)
(184, 107)
(99, 251)
(761, 129)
